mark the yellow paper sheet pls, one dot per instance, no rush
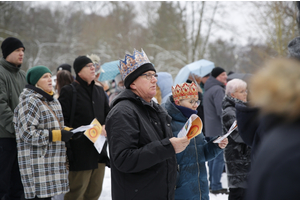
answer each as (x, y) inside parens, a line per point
(94, 133)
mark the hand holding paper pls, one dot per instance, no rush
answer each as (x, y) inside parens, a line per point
(232, 128)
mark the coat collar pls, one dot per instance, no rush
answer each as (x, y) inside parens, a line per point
(9, 66)
(43, 93)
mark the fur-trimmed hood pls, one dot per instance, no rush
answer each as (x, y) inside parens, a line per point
(276, 88)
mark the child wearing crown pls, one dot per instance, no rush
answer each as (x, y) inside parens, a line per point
(192, 175)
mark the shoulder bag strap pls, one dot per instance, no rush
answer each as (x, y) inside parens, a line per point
(74, 96)
(53, 114)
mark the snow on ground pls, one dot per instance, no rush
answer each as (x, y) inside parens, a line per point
(106, 195)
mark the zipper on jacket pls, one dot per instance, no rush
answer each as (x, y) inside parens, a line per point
(199, 186)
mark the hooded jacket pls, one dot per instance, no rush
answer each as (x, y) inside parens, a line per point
(143, 161)
(12, 82)
(42, 163)
(192, 180)
(237, 153)
(212, 105)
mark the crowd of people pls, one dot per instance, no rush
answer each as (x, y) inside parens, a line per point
(41, 158)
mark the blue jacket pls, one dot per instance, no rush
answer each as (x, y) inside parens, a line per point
(192, 175)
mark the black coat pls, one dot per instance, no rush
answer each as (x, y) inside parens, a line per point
(237, 153)
(143, 161)
(91, 102)
(275, 171)
(252, 126)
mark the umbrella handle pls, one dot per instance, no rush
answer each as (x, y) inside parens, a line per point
(198, 86)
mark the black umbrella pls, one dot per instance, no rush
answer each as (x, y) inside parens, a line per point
(243, 76)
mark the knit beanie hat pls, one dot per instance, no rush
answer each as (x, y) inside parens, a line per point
(217, 71)
(64, 67)
(35, 73)
(133, 66)
(294, 48)
(9, 45)
(80, 62)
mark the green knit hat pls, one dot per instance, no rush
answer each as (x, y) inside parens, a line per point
(35, 73)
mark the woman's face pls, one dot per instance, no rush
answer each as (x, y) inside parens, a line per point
(241, 94)
(191, 103)
(45, 82)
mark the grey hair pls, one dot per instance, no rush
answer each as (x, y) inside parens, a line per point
(233, 85)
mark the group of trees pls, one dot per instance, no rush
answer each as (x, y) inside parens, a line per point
(172, 33)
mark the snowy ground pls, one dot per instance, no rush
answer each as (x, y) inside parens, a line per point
(107, 196)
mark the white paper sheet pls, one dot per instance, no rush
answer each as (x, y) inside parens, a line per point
(232, 128)
(82, 128)
(100, 143)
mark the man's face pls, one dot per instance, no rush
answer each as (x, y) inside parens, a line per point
(16, 57)
(87, 73)
(145, 88)
(222, 78)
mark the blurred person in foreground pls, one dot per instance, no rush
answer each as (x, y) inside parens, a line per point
(212, 105)
(141, 144)
(12, 82)
(41, 137)
(237, 153)
(192, 180)
(275, 89)
(87, 166)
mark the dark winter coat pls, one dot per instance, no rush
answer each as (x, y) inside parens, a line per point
(12, 83)
(275, 171)
(252, 126)
(143, 161)
(91, 102)
(192, 180)
(42, 163)
(237, 153)
(212, 105)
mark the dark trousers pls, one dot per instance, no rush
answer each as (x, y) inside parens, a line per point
(236, 193)
(11, 187)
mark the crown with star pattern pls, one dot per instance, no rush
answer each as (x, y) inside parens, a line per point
(184, 91)
(132, 62)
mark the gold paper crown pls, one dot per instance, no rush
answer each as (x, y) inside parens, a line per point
(184, 91)
(132, 62)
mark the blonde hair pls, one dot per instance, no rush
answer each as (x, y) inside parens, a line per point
(276, 88)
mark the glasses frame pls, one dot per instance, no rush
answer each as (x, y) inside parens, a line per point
(193, 104)
(149, 76)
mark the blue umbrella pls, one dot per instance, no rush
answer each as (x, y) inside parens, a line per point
(199, 68)
(109, 70)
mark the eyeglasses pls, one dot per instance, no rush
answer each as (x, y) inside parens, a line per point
(90, 65)
(149, 76)
(193, 102)
(243, 91)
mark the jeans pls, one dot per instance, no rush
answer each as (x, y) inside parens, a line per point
(216, 167)
(11, 187)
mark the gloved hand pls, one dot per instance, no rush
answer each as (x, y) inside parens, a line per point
(66, 135)
(60, 135)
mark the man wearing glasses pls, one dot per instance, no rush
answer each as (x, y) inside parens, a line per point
(141, 144)
(87, 166)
